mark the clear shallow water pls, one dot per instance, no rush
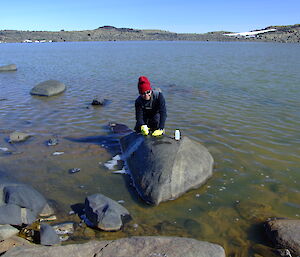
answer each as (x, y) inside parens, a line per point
(241, 100)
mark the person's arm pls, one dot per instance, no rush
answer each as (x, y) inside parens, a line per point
(162, 111)
(138, 114)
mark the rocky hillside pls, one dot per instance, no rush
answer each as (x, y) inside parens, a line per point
(284, 34)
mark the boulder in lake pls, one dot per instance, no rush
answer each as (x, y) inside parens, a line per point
(15, 215)
(16, 137)
(26, 197)
(104, 213)
(10, 67)
(127, 247)
(20, 203)
(285, 233)
(162, 168)
(48, 88)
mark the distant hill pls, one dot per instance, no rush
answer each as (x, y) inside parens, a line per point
(283, 34)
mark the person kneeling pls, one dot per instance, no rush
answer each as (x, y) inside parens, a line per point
(150, 109)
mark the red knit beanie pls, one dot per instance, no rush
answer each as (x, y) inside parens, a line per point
(144, 84)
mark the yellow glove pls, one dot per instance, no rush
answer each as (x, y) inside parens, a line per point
(144, 130)
(158, 132)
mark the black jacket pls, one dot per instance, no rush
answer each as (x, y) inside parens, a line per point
(153, 109)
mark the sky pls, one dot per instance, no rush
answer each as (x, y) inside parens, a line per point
(181, 16)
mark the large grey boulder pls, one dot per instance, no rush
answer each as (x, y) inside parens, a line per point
(126, 247)
(162, 168)
(48, 88)
(104, 213)
(19, 203)
(10, 67)
(285, 233)
(48, 235)
(26, 197)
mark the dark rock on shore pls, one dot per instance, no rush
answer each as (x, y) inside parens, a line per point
(126, 247)
(285, 233)
(48, 88)
(162, 168)
(10, 67)
(104, 213)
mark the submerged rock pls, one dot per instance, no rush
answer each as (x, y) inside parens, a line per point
(162, 168)
(18, 137)
(104, 212)
(48, 88)
(10, 67)
(127, 247)
(285, 233)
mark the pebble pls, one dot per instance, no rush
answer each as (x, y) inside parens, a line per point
(52, 141)
(58, 153)
(123, 171)
(74, 170)
(64, 238)
(121, 201)
(64, 228)
(51, 218)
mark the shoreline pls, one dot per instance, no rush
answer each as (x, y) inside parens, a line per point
(278, 34)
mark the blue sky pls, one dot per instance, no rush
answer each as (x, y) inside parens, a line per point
(190, 16)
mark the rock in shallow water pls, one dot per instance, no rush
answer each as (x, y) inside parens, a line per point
(18, 137)
(285, 233)
(162, 168)
(15, 215)
(104, 212)
(48, 235)
(48, 88)
(26, 197)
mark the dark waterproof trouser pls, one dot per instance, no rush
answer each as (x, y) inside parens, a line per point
(152, 123)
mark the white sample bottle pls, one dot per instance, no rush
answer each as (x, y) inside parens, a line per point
(177, 134)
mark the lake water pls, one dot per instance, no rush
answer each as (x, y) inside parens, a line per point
(240, 100)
